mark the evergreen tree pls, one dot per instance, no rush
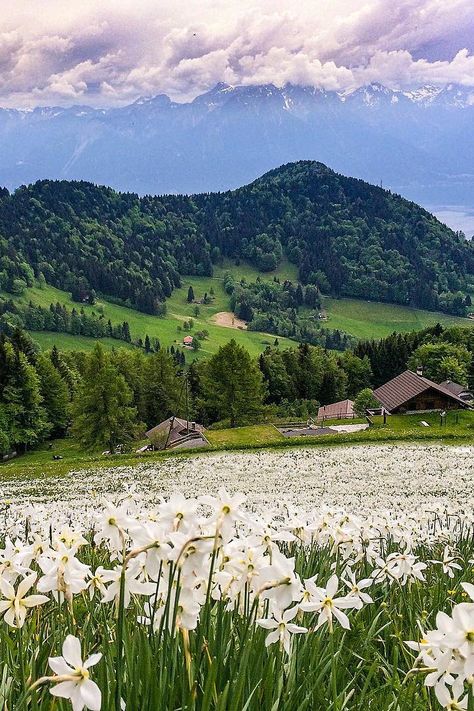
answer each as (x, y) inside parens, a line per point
(102, 411)
(358, 371)
(5, 434)
(131, 364)
(190, 298)
(55, 395)
(161, 387)
(21, 398)
(147, 344)
(232, 385)
(126, 332)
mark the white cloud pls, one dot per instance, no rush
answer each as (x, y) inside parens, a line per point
(110, 51)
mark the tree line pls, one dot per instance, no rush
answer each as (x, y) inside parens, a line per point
(59, 319)
(111, 398)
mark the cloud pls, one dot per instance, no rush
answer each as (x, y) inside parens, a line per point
(110, 52)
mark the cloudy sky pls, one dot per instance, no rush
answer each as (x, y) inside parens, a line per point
(109, 52)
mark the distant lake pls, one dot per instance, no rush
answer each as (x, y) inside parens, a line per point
(458, 217)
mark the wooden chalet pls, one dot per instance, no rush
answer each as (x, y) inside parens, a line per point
(410, 392)
(176, 433)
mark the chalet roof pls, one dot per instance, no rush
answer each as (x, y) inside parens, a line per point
(455, 388)
(343, 408)
(176, 424)
(405, 387)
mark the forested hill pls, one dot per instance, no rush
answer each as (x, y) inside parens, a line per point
(346, 236)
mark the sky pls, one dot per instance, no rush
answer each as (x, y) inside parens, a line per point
(109, 52)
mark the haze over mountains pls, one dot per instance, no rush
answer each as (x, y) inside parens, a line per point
(418, 143)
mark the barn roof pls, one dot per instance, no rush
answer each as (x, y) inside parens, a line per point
(176, 424)
(343, 408)
(456, 388)
(405, 387)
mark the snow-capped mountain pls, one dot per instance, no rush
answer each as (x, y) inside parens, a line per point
(417, 142)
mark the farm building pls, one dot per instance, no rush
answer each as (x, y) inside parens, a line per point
(188, 341)
(177, 433)
(460, 390)
(409, 392)
(337, 410)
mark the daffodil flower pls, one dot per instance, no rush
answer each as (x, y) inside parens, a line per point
(73, 679)
(282, 628)
(17, 603)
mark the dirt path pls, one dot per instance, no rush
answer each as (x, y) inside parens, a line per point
(229, 320)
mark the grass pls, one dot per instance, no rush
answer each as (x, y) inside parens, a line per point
(362, 319)
(457, 429)
(369, 319)
(68, 342)
(166, 328)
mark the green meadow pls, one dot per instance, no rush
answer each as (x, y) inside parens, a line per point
(359, 318)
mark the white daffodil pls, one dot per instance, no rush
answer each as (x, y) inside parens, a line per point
(448, 562)
(282, 627)
(112, 525)
(63, 572)
(450, 699)
(73, 679)
(16, 604)
(226, 511)
(132, 584)
(279, 583)
(356, 589)
(178, 513)
(460, 629)
(323, 600)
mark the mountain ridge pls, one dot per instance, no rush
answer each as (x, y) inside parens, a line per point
(418, 143)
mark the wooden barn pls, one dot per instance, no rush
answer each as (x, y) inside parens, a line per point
(344, 409)
(176, 433)
(409, 392)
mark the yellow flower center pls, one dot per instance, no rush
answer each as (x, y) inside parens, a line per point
(82, 672)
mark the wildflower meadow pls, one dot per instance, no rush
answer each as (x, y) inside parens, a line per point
(214, 601)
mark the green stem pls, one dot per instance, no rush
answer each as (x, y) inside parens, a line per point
(333, 671)
(120, 629)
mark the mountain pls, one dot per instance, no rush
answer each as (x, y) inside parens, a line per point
(347, 237)
(418, 143)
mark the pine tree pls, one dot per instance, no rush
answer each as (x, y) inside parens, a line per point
(161, 387)
(126, 332)
(55, 394)
(102, 411)
(233, 385)
(190, 298)
(21, 397)
(147, 344)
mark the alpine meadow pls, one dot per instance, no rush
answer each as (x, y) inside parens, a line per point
(236, 356)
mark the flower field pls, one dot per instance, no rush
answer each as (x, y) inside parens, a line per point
(358, 478)
(340, 579)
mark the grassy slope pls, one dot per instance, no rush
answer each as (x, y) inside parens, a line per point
(458, 429)
(165, 329)
(362, 319)
(367, 319)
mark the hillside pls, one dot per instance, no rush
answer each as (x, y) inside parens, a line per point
(346, 237)
(417, 142)
(361, 319)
